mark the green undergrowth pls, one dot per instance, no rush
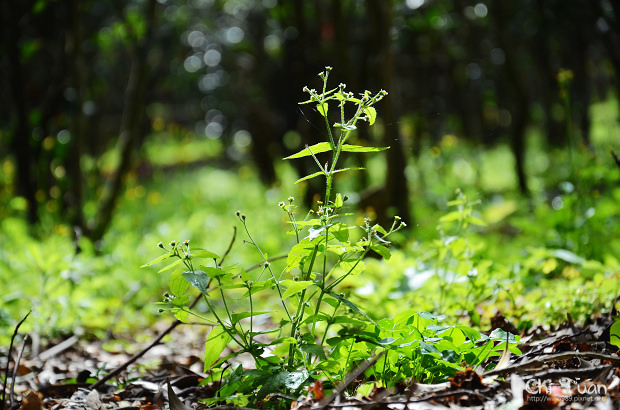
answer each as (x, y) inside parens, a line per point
(327, 307)
(475, 249)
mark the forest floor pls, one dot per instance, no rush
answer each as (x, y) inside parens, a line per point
(572, 367)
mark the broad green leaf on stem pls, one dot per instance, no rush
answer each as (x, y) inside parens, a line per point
(296, 379)
(313, 349)
(379, 229)
(319, 317)
(475, 221)
(287, 340)
(201, 253)
(382, 250)
(352, 267)
(340, 232)
(172, 265)
(312, 149)
(339, 202)
(348, 169)
(298, 253)
(351, 305)
(294, 287)
(451, 216)
(459, 201)
(322, 109)
(316, 174)
(291, 380)
(177, 283)
(315, 232)
(198, 279)
(614, 333)
(236, 317)
(180, 314)
(257, 287)
(215, 345)
(372, 114)
(215, 272)
(502, 335)
(428, 348)
(360, 148)
(470, 333)
(158, 259)
(431, 316)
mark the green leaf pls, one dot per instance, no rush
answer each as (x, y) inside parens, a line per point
(313, 349)
(569, 256)
(614, 333)
(348, 169)
(351, 305)
(236, 317)
(215, 272)
(382, 250)
(352, 267)
(379, 229)
(451, 216)
(291, 380)
(294, 287)
(360, 148)
(315, 232)
(215, 345)
(295, 379)
(312, 149)
(284, 340)
(201, 253)
(316, 174)
(177, 283)
(340, 232)
(322, 109)
(198, 279)
(172, 265)
(297, 254)
(258, 286)
(372, 114)
(475, 221)
(180, 314)
(339, 201)
(158, 259)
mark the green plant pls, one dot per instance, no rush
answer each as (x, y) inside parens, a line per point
(315, 330)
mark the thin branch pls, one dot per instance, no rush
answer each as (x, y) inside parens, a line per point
(14, 375)
(8, 361)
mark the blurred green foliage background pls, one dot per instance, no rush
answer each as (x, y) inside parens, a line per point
(126, 123)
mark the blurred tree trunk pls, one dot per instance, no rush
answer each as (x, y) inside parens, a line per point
(516, 97)
(12, 12)
(395, 198)
(135, 96)
(74, 200)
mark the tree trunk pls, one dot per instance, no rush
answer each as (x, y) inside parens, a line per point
(133, 111)
(396, 187)
(20, 137)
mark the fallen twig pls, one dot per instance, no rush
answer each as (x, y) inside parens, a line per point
(552, 357)
(8, 361)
